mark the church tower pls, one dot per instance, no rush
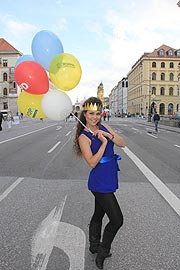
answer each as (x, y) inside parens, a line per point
(100, 92)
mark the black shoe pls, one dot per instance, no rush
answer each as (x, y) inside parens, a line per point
(103, 253)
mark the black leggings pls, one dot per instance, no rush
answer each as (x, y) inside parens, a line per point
(106, 203)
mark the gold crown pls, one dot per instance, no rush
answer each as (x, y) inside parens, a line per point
(92, 107)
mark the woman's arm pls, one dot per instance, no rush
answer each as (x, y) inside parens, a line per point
(85, 143)
(116, 138)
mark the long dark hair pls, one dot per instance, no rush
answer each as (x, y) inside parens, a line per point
(79, 126)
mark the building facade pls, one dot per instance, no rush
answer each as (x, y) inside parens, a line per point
(118, 98)
(9, 90)
(153, 82)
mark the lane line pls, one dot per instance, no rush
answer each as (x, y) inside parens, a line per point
(25, 134)
(9, 189)
(152, 135)
(177, 145)
(68, 133)
(54, 147)
(155, 181)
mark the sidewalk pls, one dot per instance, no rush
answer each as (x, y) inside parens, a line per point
(160, 126)
(146, 123)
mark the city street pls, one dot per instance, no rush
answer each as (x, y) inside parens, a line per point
(45, 206)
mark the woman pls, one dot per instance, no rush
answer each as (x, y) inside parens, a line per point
(95, 143)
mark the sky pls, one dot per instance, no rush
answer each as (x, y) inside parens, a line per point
(106, 36)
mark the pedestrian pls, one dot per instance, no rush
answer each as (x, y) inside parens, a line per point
(104, 115)
(108, 115)
(1, 118)
(9, 119)
(98, 151)
(156, 119)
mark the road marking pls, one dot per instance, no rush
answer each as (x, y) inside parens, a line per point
(68, 133)
(25, 134)
(152, 135)
(9, 189)
(53, 233)
(43, 240)
(177, 145)
(72, 240)
(54, 147)
(155, 181)
(58, 127)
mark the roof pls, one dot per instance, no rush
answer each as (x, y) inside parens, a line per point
(164, 47)
(6, 46)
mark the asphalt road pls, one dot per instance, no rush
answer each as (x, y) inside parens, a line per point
(45, 206)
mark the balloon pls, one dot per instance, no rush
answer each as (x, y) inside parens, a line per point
(32, 77)
(65, 71)
(25, 57)
(30, 105)
(45, 46)
(56, 105)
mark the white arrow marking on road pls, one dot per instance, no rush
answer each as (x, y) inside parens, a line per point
(43, 240)
(65, 236)
(72, 240)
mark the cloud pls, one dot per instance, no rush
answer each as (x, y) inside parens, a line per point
(20, 29)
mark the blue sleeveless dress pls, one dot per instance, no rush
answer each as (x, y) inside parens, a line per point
(104, 177)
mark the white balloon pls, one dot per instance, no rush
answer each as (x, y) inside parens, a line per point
(56, 105)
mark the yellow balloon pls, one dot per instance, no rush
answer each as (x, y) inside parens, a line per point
(65, 71)
(30, 105)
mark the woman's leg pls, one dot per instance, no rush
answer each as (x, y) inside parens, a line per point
(95, 227)
(111, 207)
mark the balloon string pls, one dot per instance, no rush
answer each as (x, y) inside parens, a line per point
(82, 123)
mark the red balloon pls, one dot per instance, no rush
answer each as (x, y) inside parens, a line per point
(32, 77)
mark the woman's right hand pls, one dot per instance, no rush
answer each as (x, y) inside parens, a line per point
(101, 137)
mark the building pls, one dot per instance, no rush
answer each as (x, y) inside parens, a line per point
(153, 82)
(9, 90)
(100, 92)
(118, 98)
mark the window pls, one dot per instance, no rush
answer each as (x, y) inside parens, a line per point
(171, 77)
(170, 108)
(170, 52)
(14, 84)
(178, 52)
(126, 83)
(162, 92)
(171, 65)
(153, 90)
(161, 52)
(153, 64)
(12, 70)
(123, 84)
(162, 76)
(5, 62)
(5, 92)
(170, 91)
(4, 76)
(163, 65)
(153, 76)
(161, 108)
